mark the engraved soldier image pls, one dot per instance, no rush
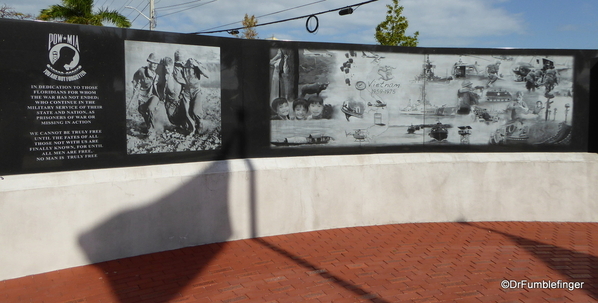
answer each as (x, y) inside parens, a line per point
(173, 99)
(144, 82)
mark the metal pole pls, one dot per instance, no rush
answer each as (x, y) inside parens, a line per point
(152, 20)
(152, 16)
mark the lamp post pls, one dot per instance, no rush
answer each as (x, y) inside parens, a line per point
(151, 18)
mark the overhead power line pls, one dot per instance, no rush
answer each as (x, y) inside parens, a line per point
(175, 5)
(136, 6)
(122, 8)
(270, 14)
(140, 10)
(284, 20)
(198, 5)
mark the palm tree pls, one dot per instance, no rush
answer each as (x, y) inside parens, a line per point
(80, 12)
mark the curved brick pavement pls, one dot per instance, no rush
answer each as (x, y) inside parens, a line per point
(428, 262)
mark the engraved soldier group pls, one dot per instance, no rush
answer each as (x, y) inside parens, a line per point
(169, 94)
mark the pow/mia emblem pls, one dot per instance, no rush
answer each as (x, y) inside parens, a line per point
(63, 57)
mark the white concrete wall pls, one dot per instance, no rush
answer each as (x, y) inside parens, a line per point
(58, 220)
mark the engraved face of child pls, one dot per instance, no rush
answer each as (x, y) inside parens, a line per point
(316, 109)
(283, 109)
(300, 112)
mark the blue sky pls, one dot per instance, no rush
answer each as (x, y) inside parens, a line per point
(558, 24)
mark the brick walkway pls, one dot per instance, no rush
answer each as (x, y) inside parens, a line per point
(429, 262)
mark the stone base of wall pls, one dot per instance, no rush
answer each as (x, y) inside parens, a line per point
(52, 221)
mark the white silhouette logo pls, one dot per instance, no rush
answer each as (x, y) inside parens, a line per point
(63, 55)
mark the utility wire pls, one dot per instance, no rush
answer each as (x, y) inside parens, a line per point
(288, 9)
(133, 11)
(125, 4)
(140, 14)
(270, 14)
(284, 20)
(141, 2)
(202, 4)
(174, 5)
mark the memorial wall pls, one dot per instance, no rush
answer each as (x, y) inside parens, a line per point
(84, 97)
(404, 135)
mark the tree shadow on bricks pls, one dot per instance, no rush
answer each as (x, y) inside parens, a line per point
(195, 213)
(576, 266)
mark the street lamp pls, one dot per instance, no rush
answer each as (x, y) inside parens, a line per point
(151, 20)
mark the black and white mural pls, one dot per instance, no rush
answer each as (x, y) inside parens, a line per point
(76, 98)
(173, 97)
(356, 98)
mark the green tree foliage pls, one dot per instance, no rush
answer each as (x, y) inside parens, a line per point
(81, 12)
(249, 24)
(391, 31)
(9, 13)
